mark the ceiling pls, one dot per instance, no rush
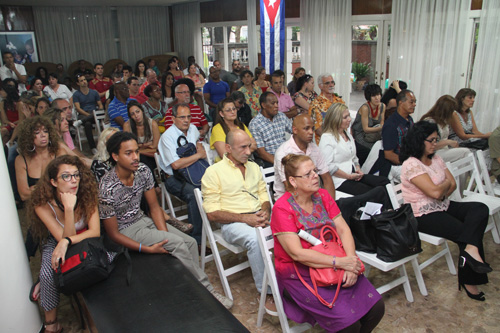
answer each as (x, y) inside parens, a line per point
(86, 3)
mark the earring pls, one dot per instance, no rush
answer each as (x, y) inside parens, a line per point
(294, 193)
(32, 149)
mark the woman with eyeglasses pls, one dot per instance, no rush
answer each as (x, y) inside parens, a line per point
(306, 207)
(64, 211)
(305, 93)
(427, 185)
(339, 151)
(226, 120)
(154, 107)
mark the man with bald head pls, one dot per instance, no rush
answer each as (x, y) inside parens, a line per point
(234, 194)
(150, 78)
(301, 143)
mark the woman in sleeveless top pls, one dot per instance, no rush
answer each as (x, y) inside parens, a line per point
(260, 79)
(173, 67)
(64, 212)
(305, 93)
(167, 91)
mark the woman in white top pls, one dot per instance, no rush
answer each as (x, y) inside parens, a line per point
(56, 90)
(339, 151)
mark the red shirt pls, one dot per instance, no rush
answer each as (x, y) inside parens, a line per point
(197, 117)
(140, 97)
(101, 86)
(145, 84)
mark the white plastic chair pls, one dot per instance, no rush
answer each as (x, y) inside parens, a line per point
(396, 196)
(214, 238)
(268, 176)
(474, 191)
(165, 196)
(484, 160)
(99, 116)
(80, 133)
(266, 243)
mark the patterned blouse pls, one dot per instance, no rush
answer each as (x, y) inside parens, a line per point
(252, 98)
(318, 108)
(308, 99)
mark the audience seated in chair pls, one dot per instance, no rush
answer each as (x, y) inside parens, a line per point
(215, 90)
(100, 83)
(285, 102)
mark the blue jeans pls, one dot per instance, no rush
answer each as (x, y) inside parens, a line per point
(185, 192)
(244, 235)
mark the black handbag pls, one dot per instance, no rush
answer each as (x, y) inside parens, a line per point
(363, 233)
(396, 233)
(86, 264)
(193, 173)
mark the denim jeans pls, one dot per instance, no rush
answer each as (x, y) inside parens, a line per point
(185, 192)
(244, 235)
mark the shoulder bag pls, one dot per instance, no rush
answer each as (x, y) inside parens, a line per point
(193, 173)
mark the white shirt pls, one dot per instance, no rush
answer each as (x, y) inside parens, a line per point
(338, 155)
(62, 92)
(6, 73)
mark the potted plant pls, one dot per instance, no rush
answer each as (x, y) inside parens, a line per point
(361, 71)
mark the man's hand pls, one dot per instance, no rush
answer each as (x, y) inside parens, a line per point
(10, 65)
(202, 153)
(255, 220)
(156, 248)
(264, 214)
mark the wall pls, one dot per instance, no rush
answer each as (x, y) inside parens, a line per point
(16, 18)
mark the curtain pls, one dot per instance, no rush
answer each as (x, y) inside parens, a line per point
(253, 48)
(143, 31)
(326, 41)
(485, 77)
(66, 34)
(187, 31)
(427, 48)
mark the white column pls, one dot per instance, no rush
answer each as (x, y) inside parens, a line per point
(288, 55)
(17, 313)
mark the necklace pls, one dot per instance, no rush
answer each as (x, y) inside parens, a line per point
(374, 114)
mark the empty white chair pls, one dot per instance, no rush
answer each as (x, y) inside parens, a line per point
(484, 161)
(266, 243)
(99, 116)
(214, 238)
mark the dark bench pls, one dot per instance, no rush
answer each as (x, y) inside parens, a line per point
(163, 296)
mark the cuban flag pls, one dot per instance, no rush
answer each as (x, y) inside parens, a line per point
(272, 34)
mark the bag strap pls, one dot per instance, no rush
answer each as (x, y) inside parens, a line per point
(179, 140)
(315, 290)
(326, 229)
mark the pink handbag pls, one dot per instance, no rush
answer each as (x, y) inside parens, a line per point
(324, 277)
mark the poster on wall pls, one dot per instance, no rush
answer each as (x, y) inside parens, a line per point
(22, 44)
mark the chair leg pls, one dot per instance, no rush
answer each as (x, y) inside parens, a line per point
(494, 231)
(420, 278)
(203, 248)
(449, 259)
(221, 271)
(262, 303)
(406, 283)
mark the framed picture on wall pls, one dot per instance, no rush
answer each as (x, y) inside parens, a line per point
(22, 44)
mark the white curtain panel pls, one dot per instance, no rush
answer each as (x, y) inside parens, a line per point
(325, 39)
(187, 31)
(253, 49)
(143, 31)
(66, 34)
(486, 75)
(427, 48)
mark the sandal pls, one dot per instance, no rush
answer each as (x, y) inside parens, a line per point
(35, 291)
(54, 322)
(180, 225)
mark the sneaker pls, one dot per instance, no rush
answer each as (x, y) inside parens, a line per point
(77, 123)
(227, 302)
(271, 306)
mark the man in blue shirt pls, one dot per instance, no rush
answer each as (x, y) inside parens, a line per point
(117, 109)
(215, 90)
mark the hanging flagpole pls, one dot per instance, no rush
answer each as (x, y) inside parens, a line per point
(272, 34)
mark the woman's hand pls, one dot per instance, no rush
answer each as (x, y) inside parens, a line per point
(156, 248)
(68, 200)
(452, 143)
(59, 253)
(348, 263)
(349, 279)
(395, 85)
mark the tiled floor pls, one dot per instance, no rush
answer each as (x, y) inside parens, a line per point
(445, 309)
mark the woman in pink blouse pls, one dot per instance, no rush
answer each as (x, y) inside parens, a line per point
(427, 184)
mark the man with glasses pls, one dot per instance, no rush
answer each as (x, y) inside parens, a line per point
(133, 90)
(183, 95)
(320, 105)
(150, 78)
(170, 161)
(100, 83)
(117, 109)
(235, 195)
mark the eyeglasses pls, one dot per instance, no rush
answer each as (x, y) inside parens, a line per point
(233, 109)
(433, 140)
(309, 175)
(184, 117)
(67, 177)
(183, 92)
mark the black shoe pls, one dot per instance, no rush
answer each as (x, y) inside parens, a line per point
(478, 297)
(476, 266)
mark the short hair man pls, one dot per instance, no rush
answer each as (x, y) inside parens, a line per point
(117, 109)
(320, 105)
(235, 195)
(269, 128)
(183, 95)
(301, 143)
(13, 71)
(133, 90)
(86, 101)
(233, 76)
(150, 78)
(126, 223)
(215, 90)
(127, 73)
(170, 161)
(218, 65)
(100, 83)
(285, 103)
(393, 132)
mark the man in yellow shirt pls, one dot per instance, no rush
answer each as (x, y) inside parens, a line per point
(234, 194)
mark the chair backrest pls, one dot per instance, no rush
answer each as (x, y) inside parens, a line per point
(210, 153)
(268, 176)
(484, 161)
(99, 116)
(395, 193)
(464, 166)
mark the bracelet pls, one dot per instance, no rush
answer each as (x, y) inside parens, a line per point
(334, 259)
(69, 240)
(140, 246)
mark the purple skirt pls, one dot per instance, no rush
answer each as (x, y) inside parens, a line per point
(351, 305)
